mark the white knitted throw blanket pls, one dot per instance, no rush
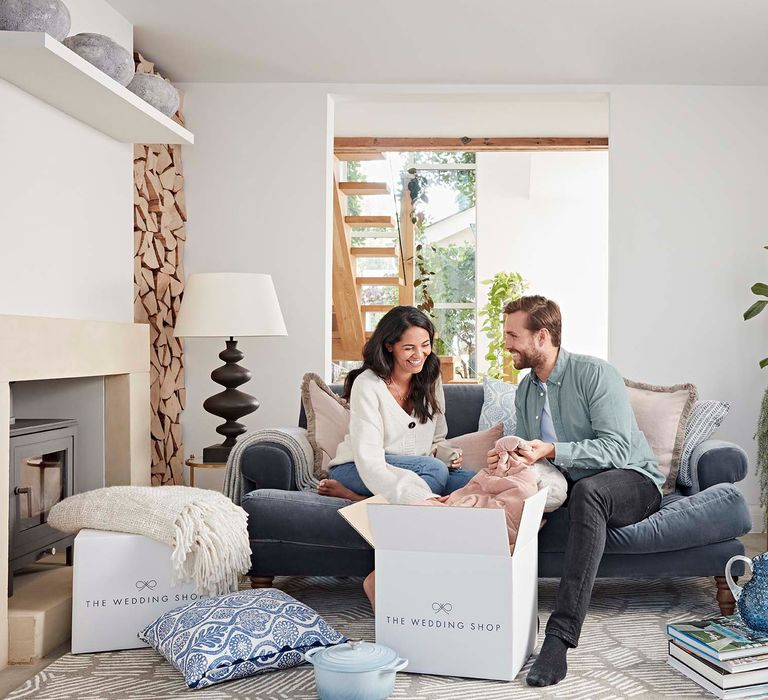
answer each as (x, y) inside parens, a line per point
(293, 439)
(208, 533)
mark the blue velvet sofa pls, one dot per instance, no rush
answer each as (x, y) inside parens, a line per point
(693, 534)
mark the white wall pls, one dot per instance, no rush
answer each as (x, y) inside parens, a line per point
(687, 220)
(258, 193)
(545, 215)
(688, 183)
(66, 220)
(383, 112)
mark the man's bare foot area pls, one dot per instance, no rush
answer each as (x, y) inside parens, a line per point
(331, 487)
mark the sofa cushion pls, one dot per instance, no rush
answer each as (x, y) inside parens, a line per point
(705, 419)
(327, 420)
(716, 514)
(302, 517)
(498, 405)
(475, 446)
(662, 414)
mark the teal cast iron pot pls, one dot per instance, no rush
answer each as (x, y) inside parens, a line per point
(355, 670)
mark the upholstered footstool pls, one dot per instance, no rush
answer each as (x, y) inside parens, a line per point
(292, 532)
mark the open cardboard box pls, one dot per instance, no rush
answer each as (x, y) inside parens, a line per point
(449, 595)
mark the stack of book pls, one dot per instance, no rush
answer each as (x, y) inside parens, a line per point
(722, 655)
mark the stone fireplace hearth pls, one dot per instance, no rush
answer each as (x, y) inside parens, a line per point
(36, 348)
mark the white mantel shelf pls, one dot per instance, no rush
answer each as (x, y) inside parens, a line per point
(45, 68)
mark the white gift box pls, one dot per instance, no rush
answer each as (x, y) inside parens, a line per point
(121, 583)
(450, 597)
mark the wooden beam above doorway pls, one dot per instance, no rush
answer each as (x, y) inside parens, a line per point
(347, 145)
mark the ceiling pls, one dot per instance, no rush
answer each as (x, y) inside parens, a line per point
(711, 42)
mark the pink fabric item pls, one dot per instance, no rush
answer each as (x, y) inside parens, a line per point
(505, 485)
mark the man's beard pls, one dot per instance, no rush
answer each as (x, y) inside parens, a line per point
(528, 360)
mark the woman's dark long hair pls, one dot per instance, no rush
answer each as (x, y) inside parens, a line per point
(378, 359)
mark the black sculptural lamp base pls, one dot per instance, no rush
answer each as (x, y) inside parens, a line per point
(229, 404)
(216, 454)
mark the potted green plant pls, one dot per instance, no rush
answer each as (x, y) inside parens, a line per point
(760, 289)
(505, 287)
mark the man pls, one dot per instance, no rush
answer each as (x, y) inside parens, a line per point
(575, 411)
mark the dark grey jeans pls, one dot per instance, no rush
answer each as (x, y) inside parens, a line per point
(612, 498)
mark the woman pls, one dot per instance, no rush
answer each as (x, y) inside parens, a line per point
(397, 422)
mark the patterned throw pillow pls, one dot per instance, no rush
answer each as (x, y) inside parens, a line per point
(238, 635)
(498, 405)
(705, 419)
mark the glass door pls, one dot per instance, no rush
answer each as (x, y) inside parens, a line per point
(41, 472)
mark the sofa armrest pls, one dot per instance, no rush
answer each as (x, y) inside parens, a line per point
(269, 465)
(716, 462)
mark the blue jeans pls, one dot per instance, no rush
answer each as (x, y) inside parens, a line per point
(439, 478)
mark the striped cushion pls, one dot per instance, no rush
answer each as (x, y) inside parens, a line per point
(705, 419)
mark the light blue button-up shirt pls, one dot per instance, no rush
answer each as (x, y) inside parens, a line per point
(591, 417)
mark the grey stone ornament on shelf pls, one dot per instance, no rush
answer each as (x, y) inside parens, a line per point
(104, 53)
(158, 92)
(50, 16)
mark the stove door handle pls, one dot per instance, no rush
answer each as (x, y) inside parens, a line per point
(27, 490)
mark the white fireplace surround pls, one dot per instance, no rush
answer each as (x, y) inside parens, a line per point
(36, 348)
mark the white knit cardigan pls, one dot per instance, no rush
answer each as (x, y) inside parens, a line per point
(377, 426)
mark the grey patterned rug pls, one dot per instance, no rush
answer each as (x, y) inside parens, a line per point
(622, 653)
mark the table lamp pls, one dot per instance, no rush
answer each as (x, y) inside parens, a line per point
(229, 304)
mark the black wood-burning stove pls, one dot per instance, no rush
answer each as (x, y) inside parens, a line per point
(41, 474)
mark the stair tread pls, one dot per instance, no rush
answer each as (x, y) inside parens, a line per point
(364, 188)
(392, 281)
(363, 251)
(370, 221)
(376, 308)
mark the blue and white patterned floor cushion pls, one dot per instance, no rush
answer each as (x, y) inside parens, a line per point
(238, 635)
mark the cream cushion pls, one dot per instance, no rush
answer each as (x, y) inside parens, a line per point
(475, 446)
(662, 413)
(327, 419)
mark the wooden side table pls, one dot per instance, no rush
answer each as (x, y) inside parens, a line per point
(193, 464)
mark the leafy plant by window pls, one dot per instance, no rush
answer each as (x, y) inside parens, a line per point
(423, 277)
(422, 281)
(505, 287)
(444, 274)
(760, 289)
(463, 181)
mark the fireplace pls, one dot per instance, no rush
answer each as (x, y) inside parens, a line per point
(42, 462)
(118, 353)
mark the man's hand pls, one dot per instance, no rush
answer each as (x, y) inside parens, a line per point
(539, 450)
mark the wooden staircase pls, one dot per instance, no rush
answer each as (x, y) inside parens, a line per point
(349, 314)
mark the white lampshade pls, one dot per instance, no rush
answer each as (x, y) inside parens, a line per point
(223, 304)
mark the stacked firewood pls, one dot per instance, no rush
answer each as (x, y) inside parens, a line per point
(158, 276)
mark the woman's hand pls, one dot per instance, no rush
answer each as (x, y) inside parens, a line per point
(456, 463)
(492, 458)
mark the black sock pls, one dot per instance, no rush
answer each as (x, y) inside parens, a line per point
(550, 667)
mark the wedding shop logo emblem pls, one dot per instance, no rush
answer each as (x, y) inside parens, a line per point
(440, 621)
(143, 595)
(142, 585)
